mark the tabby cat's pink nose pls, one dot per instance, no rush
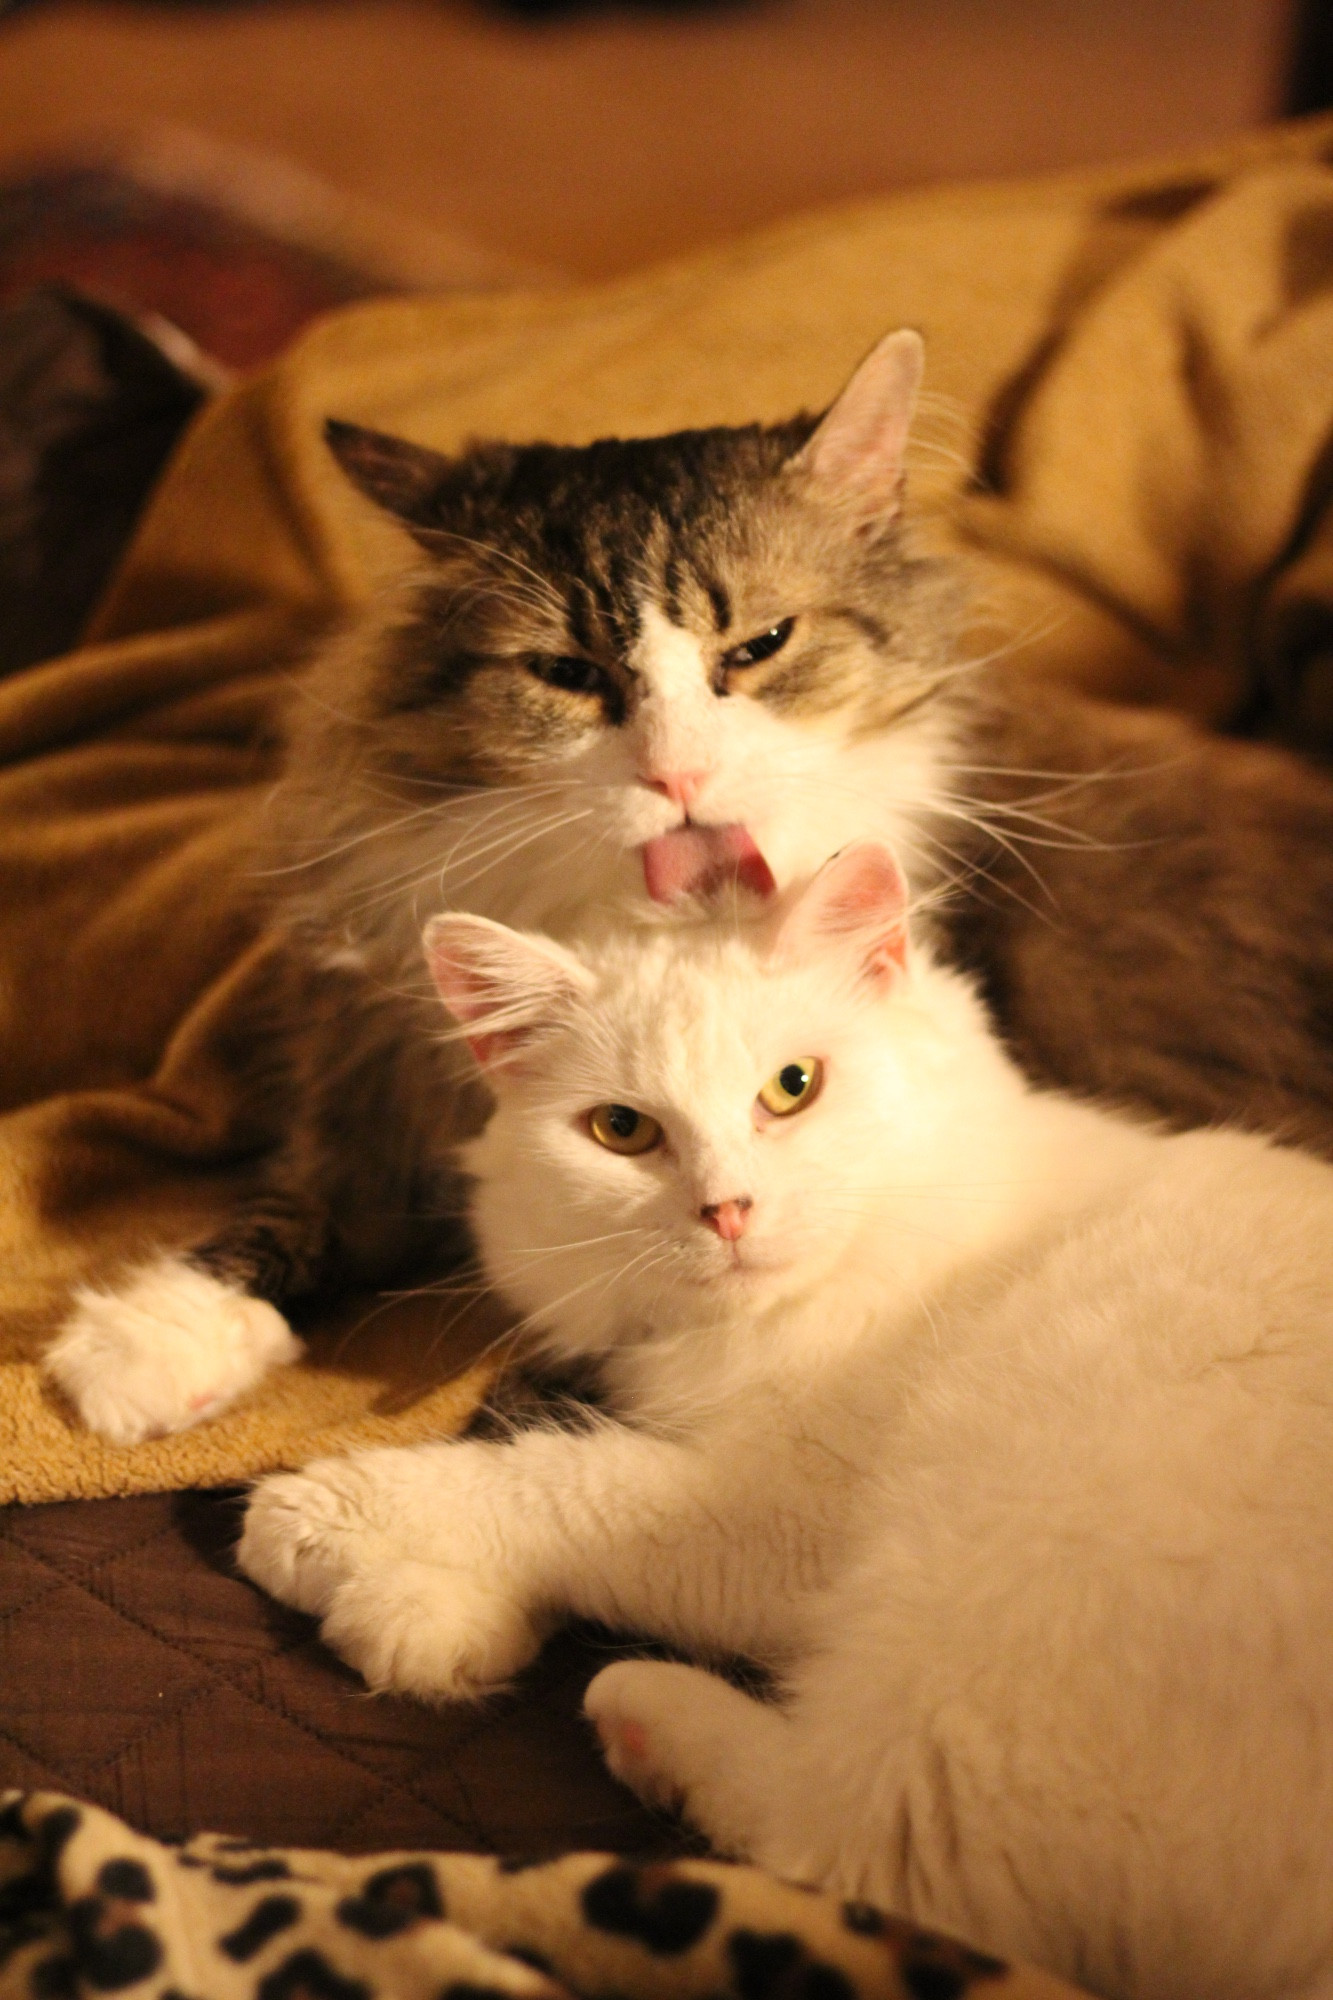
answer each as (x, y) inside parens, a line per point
(728, 1217)
(681, 787)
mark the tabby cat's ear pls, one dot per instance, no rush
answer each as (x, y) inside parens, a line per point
(503, 987)
(856, 455)
(401, 477)
(857, 900)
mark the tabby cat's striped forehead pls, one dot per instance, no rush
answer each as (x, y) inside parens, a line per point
(608, 524)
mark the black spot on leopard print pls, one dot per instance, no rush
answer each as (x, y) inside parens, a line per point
(927, 1980)
(22, 1899)
(392, 1900)
(519, 1864)
(933, 1967)
(111, 1948)
(54, 1978)
(307, 1975)
(463, 1989)
(11, 1820)
(56, 1832)
(239, 1875)
(527, 1956)
(126, 1879)
(273, 1914)
(936, 1968)
(29, 1930)
(774, 1965)
(660, 1909)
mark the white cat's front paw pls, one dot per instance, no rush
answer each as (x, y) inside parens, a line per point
(332, 1540)
(439, 1634)
(172, 1347)
(307, 1532)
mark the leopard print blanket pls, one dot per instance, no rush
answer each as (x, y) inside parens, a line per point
(87, 1907)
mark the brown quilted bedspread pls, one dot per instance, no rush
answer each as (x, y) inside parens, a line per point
(137, 1671)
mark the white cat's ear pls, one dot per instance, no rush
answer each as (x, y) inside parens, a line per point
(856, 455)
(503, 987)
(859, 900)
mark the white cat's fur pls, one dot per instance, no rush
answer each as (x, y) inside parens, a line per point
(1003, 1435)
(165, 1346)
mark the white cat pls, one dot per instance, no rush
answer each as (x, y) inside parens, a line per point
(999, 1427)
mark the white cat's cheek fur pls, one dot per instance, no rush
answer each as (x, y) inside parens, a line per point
(170, 1348)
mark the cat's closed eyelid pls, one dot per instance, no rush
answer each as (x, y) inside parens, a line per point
(760, 646)
(568, 671)
(583, 679)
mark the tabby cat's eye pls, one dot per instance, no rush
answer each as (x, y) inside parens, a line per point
(792, 1087)
(761, 647)
(622, 1129)
(567, 671)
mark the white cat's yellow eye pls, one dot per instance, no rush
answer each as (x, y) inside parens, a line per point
(622, 1129)
(792, 1087)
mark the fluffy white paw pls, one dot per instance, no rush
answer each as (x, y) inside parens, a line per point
(625, 1705)
(439, 1634)
(307, 1532)
(170, 1348)
(331, 1540)
(687, 1740)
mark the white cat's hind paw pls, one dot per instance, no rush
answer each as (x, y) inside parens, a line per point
(439, 1634)
(688, 1741)
(172, 1347)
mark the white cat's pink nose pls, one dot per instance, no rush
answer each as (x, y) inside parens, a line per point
(728, 1218)
(681, 787)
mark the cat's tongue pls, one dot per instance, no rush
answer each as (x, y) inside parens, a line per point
(700, 860)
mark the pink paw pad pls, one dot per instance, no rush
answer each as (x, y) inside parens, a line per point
(626, 1738)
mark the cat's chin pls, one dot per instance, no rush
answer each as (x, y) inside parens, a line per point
(726, 1280)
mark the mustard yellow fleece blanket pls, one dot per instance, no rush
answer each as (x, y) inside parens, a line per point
(1128, 427)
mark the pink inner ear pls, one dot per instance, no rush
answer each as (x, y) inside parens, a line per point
(468, 997)
(860, 894)
(857, 451)
(485, 972)
(865, 887)
(464, 989)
